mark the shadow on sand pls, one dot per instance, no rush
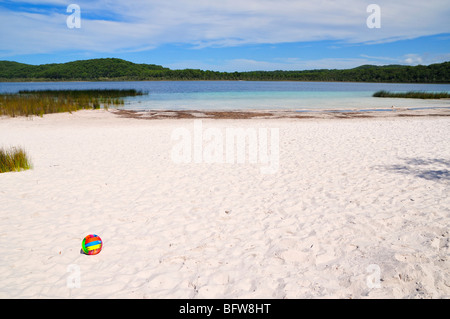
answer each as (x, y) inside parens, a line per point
(435, 169)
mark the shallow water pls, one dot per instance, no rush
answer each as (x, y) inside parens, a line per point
(229, 95)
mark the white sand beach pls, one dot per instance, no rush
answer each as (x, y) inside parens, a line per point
(357, 208)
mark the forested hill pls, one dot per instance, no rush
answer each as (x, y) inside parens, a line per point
(95, 69)
(111, 69)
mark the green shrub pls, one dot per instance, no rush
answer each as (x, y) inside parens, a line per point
(413, 95)
(14, 159)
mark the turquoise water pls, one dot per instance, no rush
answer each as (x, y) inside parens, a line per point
(245, 100)
(229, 95)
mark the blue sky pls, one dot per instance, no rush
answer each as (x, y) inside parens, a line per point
(228, 35)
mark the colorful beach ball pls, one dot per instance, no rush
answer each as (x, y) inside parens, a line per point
(92, 244)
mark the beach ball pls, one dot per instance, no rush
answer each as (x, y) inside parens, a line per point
(92, 244)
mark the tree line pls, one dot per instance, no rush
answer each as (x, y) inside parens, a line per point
(111, 69)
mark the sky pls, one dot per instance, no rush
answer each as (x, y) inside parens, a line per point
(228, 35)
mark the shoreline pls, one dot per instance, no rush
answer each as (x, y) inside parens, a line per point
(282, 114)
(262, 114)
(3, 80)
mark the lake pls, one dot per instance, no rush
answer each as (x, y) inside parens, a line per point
(245, 95)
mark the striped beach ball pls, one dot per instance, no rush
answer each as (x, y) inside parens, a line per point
(92, 244)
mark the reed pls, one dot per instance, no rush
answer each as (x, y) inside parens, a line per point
(413, 95)
(13, 159)
(82, 93)
(26, 103)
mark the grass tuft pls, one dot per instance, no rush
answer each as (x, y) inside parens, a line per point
(413, 95)
(14, 159)
(26, 103)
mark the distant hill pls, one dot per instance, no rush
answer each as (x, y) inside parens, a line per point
(94, 69)
(112, 69)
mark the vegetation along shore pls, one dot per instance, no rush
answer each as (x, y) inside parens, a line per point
(26, 103)
(413, 95)
(112, 69)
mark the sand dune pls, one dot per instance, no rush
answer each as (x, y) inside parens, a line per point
(358, 208)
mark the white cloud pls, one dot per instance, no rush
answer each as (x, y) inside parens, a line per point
(413, 59)
(425, 58)
(151, 23)
(41, 2)
(243, 65)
